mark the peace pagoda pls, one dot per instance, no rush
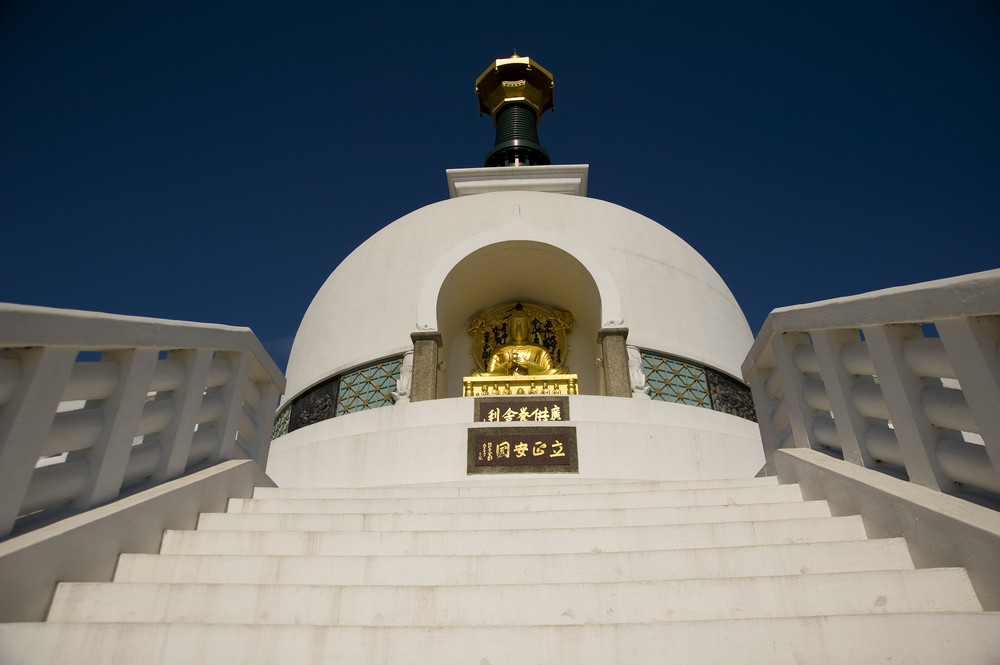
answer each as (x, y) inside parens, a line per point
(518, 285)
(519, 425)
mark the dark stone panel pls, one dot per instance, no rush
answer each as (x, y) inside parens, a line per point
(730, 396)
(317, 404)
(516, 449)
(521, 408)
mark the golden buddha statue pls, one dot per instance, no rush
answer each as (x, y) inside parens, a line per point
(520, 366)
(520, 357)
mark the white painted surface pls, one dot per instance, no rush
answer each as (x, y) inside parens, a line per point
(464, 255)
(915, 639)
(487, 520)
(584, 588)
(519, 604)
(554, 178)
(427, 442)
(84, 547)
(515, 541)
(749, 561)
(129, 416)
(888, 393)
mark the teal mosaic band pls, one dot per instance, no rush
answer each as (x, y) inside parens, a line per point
(675, 380)
(368, 387)
(281, 423)
(362, 388)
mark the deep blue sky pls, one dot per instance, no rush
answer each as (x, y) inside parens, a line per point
(215, 161)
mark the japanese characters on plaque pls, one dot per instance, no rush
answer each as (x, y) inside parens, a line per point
(521, 409)
(522, 449)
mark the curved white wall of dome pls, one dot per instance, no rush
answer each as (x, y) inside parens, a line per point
(606, 264)
(427, 442)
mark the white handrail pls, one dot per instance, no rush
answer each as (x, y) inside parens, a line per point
(858, 375)
(163, 397)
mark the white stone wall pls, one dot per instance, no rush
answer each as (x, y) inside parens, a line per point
(427, 442)
(446, 261)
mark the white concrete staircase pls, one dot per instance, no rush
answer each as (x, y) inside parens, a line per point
(519, 570)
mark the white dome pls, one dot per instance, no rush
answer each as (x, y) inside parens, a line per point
(436, 267)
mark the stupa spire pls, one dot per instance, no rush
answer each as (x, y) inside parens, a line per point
(515, 91)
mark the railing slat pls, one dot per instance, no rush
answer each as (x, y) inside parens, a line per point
(74, 430)
(901, 390)
(260, 446)
(10, 377)
(25, 421)
(96, 380)
(867, 399)
(799, 414)
(187, 399)
(968, 463)
(56, 485)
(850, 424)
(232, 393)
(946, 408)
(764, 408)
(108, 458)
(972, 349)
(883, 445)
(825, 430)
(925, 356)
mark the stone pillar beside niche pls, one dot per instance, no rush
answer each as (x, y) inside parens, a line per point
(617, 382)
(425, 365)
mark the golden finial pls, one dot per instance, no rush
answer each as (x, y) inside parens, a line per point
(515, 79)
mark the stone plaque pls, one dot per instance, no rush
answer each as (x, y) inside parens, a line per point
(520, 449)
(521, 408)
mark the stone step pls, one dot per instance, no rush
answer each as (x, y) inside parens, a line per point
(915, 639)
(761, 560)
(898, 591)
(698, 497)
(582, 486)
(560, 479)
(526, 541)
(508, 520)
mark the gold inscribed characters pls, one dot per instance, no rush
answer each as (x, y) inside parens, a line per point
(522, 448)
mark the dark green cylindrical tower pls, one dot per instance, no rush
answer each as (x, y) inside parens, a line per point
(515, 92)
(517, 138)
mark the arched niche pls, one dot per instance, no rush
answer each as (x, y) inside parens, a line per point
(513, 270)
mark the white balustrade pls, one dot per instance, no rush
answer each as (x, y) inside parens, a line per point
(858, 377)
(163, 398)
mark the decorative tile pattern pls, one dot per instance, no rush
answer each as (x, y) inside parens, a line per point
(368, 387)
(675, 380)
(281, 423)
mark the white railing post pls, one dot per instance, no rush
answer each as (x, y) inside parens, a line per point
(851, 425)
(233, 394)
(25, 421)
(264, 419)
(175, 439)
(108, 457)
(800, 414)
(901, 390)
(68, 427)
(971, 346)
(765, 410)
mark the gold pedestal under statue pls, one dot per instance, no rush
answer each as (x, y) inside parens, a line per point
(520, 349)
(549, 384)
